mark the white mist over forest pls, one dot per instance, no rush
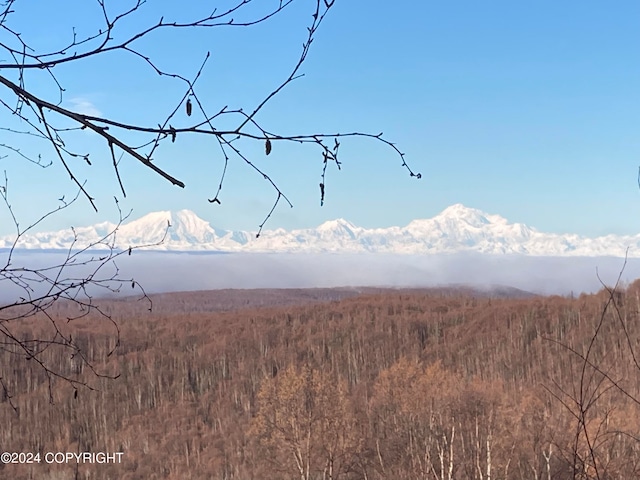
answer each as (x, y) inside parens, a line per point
(169, 271)
(544, 275)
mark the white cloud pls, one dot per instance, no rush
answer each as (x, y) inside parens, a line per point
(84, 106)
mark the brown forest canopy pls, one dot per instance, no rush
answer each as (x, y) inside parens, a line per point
(440, 384)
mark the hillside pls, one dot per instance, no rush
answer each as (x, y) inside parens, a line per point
(387, 384)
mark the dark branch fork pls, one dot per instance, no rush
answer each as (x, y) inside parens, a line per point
(27, 59)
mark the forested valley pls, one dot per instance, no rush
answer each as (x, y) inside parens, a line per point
(367, 385)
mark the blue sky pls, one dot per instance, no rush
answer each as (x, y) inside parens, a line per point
(530, 110)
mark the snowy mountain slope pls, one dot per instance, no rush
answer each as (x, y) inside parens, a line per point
(456, 229)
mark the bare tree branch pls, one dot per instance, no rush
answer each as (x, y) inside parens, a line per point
(24, 58)
(32, 112)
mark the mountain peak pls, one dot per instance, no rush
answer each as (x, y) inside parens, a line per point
(337, 230)
(456, 229)
(188, 218)
(338, 223)
(184, 228)
(472, 216)
(459, 209)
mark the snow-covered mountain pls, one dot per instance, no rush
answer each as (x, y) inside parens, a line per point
(456, 229)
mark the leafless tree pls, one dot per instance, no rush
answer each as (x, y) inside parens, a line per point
(77, 275)
(37, 114)
(596, 439)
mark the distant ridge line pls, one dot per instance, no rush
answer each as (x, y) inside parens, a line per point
(456, 229)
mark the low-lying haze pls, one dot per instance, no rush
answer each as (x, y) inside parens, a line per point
(545, 275)
(170, 271)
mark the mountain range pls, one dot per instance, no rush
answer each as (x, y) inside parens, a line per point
(455, 229)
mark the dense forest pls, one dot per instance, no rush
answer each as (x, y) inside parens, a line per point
(345, 384)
